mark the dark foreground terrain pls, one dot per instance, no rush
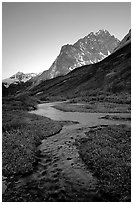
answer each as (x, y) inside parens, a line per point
(84, 164)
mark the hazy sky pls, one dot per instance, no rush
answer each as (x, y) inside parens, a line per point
(33, 33)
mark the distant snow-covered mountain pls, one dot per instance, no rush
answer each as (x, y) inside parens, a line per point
(18, 78)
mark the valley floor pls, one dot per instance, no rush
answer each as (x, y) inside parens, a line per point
(81, 164)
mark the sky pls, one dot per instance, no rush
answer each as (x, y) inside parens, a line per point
(33, 33)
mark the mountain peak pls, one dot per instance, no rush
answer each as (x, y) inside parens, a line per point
(101, 31)
(19, 72)
(88, 50)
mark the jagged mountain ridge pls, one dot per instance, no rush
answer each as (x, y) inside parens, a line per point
(88, 50)
(111, 75)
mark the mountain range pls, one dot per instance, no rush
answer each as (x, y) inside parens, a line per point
(108, 78)
(88, 50)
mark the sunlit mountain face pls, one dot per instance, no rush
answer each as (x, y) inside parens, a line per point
(88, 50)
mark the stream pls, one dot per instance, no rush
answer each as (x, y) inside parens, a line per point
(61, 174)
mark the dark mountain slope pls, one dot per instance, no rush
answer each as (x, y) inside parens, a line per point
(125, 40)
(112, 75)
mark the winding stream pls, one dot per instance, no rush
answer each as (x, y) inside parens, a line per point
(60, 173)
